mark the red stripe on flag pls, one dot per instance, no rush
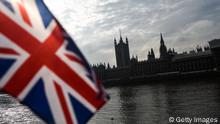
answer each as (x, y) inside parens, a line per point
(63, 104)
(8, 51)
(74, 81)
(73, 58)
(24, 13)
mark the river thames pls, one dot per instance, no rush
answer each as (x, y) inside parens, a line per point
(141, 104)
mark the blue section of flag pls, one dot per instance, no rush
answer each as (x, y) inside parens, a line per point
(81, 112)
(8, 5)
(5, 64)
(45, 14)
(37, 101)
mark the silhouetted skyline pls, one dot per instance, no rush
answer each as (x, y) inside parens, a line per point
(94, 24)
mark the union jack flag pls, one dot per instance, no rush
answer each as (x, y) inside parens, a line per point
(42, 66)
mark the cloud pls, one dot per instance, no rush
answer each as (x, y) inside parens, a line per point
(95, 23)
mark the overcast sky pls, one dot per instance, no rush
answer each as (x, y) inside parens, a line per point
(94, 24)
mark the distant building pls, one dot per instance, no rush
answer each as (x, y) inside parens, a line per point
(122, 52)
(169, 61)
(215, 48)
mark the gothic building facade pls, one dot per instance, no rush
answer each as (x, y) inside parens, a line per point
(201, 59)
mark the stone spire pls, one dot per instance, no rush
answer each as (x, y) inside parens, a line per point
(163, 48)
(161, 39)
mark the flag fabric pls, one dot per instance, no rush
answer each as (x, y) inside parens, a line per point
(42, 67)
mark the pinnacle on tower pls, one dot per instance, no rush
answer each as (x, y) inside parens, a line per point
(152, 51)
(121, 40)
(126, 39)
(161, 39)
(108, 66)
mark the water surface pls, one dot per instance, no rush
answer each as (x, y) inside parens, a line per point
(139, 104)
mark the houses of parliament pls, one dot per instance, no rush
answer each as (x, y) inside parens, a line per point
(169, 62)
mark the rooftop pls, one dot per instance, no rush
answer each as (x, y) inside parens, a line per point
(192, 55)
